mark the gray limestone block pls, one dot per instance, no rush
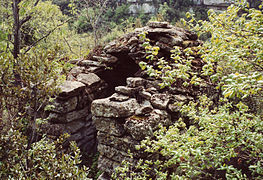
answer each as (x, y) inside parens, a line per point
(190, 43)
(121, 143)
(111, 45)
(84, 100)
(83, 136)
(57, 118)
(182, 98)
(90, 63)
(65, 106)
(173, 108)
(133, 40)
(176, 41)
(141, 126)
(171, 41)
(97, 90)
(118, 155)
(76, 115)
(74, 126)
(87, 141)
(119, 97)
(135, 82)
(164, 46)
(127, 90)
(144, 110)
(104, 176)
(52, 129)
(112, 153)
(156, 24)
(106, 58)
(75, 61)
(88, 119)
(192, 35)
(75, 137)
(71, 88)
(160, 101)
(177, 32)
(109, 125)
(93, 69)
(68, 117)
(146, 95)
(87, 131)
(107, 108)
(153, 86)
(70, 77)
(120, 48)
(107, 165)
(77, 70)
(90, 147)
(89, 79)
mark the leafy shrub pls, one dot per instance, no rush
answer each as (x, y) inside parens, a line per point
(38, 75)
(233, 54)
(211, 139)
(27, 83)
(45, 159)
(23, 99)
(219, 144)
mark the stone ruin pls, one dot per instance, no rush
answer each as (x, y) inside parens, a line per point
(108, 104)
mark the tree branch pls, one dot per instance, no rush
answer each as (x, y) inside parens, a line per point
(27, 18)
(69, 46)
(237, 34)
(36, 3)
(24, 20)
(45, 36)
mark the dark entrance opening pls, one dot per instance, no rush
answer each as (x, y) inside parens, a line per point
(117, 75)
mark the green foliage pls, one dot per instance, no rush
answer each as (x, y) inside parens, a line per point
(20, 114)
(235, 47)
(180, 68)
(173, 11)
(27, 83)
(43, 19)
(40, 74)
(218, 143)
(211, 139)
(117, 15)
(63, 4)
(44, 160)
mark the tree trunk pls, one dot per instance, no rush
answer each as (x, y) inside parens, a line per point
(16, 50)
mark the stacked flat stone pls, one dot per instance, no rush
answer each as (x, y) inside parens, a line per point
(136, 105)
(127, 117)
(135, 111)
(71, 112)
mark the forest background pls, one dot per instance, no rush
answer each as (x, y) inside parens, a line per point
(37, 39)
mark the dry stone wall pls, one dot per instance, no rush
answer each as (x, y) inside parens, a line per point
(128, 116)
(108, 104)
(137, 108)
(71, 112)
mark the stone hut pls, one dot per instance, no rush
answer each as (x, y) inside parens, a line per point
(108, 104)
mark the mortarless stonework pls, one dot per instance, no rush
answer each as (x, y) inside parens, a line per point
(108, 104)
(138, 107)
